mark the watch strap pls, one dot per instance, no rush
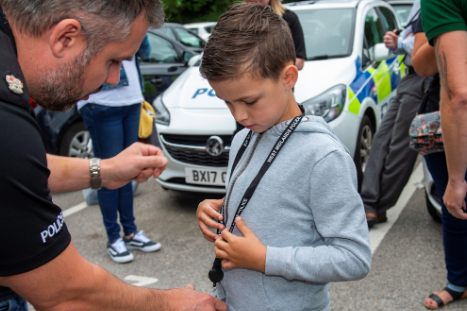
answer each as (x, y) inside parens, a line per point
(95, 172)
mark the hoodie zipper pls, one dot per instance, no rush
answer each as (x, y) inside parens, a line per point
(236, 177)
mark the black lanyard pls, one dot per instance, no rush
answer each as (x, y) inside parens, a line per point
(216, 274)
(269, 160)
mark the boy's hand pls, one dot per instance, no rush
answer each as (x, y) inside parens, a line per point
(207, 210)
(241, 252)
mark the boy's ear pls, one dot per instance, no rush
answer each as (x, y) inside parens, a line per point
(290, 76)
(67, 37)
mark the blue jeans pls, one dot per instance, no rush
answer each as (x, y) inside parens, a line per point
(454, 229)
(113, 129)
(15, 304)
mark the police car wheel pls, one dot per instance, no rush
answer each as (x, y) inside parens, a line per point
(363, 147)
(432, 210)
(77, 142)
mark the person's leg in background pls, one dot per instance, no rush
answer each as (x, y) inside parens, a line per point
(133, 239)
(130, 125)
(454, 233)
(401, 159)
(14, 304)
(371, 189)
(105, 124)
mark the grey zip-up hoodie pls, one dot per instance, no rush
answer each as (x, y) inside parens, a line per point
(308, 213)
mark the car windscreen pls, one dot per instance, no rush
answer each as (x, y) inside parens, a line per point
(328, 32)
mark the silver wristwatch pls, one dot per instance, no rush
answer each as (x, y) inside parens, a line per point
(95, 170)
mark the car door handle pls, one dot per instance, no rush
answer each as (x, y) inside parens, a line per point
(172, 69)
(157, 81)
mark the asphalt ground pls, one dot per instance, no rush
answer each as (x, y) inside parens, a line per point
(407, 265)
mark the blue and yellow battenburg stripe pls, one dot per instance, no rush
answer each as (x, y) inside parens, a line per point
(377, 83)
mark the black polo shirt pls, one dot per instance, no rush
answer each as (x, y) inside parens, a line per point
(297, 33)
(32, 229)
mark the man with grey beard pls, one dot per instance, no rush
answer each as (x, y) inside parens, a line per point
(58, 52)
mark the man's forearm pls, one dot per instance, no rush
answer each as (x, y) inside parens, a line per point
(72, 174)
(107, 292)
(451, 53)
(453, 120)
(69, 282)
(68, 174)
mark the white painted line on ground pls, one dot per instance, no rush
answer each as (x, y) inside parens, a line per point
(74, 209)
(378, 232)
(140, 280)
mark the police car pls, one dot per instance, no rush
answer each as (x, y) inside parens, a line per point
(349, 78)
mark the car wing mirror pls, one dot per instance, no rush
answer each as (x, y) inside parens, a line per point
(381, 52)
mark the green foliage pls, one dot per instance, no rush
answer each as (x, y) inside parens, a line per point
(192, 11)
(183, 12)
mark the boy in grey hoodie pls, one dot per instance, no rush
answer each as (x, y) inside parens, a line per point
(304, 225)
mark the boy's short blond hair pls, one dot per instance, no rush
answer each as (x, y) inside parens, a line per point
(248, 38)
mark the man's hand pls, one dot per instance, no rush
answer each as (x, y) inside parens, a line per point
(242, 252)
(390, 39)
(454, 198)
(187, 299)
(137, 162)
(207, 210)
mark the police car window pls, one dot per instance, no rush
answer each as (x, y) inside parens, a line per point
(328, 32)
(388, 19)
(189, 39)
(162, 51)
(366, 60)
(374, 32)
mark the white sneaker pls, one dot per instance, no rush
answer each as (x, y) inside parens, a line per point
(118, 251)
(142, 243)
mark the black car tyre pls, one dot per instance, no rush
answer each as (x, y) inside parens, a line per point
(77, 142)
(432, 210)
(363, 147)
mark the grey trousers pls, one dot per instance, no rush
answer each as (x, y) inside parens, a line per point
(391, 160)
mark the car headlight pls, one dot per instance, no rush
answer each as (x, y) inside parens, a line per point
(329, 104)
(162, 114)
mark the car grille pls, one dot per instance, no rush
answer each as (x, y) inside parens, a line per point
(193, 156)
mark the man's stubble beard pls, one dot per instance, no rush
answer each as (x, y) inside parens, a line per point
(61, 89)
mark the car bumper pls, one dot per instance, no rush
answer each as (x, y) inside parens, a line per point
(174, 175)
(189, 188)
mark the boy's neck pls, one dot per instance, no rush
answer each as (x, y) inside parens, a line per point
(292, 110)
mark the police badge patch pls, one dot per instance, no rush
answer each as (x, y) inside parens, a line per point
(14, 84)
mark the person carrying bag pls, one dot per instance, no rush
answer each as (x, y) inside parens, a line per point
(425, 130)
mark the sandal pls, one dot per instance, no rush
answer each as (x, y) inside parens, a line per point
(440, 303)
(373, 219)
